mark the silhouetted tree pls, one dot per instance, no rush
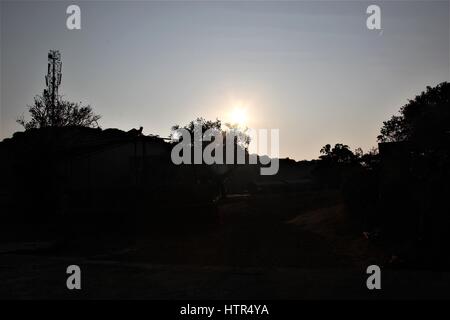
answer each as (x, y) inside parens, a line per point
(393, 130)
(325, 151)
(220, 172)
(242, 138)
(62, 114)
(340, 153)
(359, 153)
(199, 122)
(369, 159)
(425, 120)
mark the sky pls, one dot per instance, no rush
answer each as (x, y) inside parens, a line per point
(311, 69)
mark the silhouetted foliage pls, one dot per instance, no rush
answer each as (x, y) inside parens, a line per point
(219, 172)
(340, 153)
(242, 138)
(62, 114)
(369, 159)
(204, 124)
(425, 120)
(393, 130)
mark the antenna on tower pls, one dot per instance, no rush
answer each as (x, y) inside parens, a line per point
(54, 75)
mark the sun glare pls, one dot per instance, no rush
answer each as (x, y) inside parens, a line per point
(239, 116)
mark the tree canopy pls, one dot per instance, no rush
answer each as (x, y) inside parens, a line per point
(241, 136)
(424, 121)
(61, 114)
(340, 153)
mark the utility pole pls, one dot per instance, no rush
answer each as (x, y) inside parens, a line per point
(53, 79)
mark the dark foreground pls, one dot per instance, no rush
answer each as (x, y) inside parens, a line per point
(259, 248)
(31, 277)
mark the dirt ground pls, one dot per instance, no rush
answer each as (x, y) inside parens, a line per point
(297, 246)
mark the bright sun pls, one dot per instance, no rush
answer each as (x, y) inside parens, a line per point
(239, 116)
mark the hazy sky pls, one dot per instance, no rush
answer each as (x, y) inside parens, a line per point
(311, 69)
